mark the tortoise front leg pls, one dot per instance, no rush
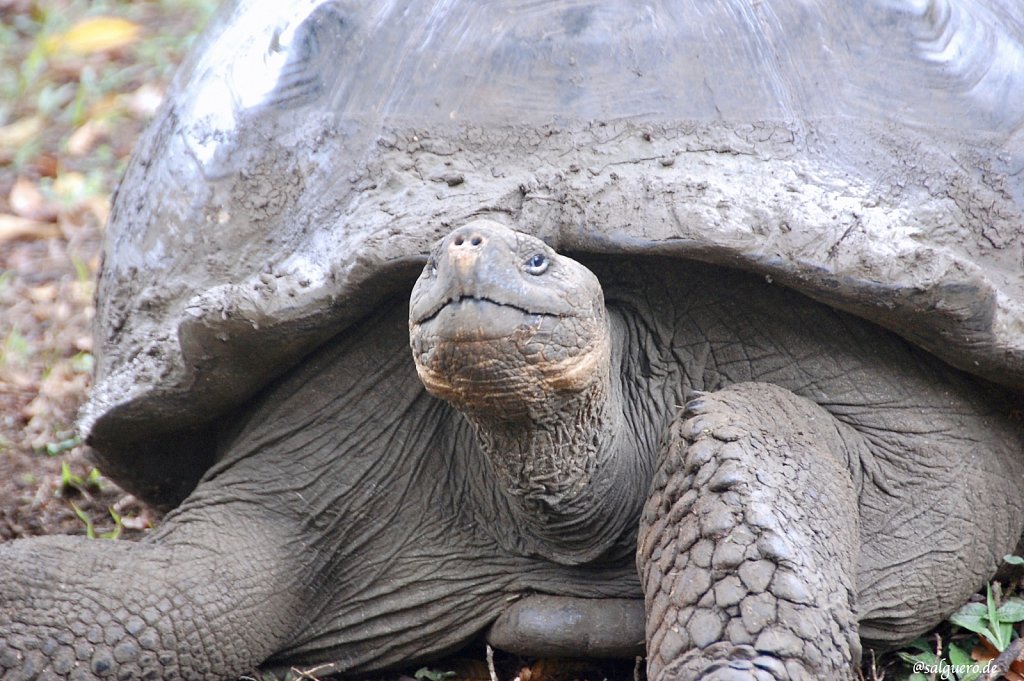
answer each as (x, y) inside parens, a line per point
(748, 542)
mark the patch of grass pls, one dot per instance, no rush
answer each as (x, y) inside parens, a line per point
(71, 481)
(90, 529)
(16, 350)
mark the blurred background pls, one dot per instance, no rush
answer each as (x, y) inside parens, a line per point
(79, 81)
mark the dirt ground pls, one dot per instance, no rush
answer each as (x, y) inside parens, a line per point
(78, 82)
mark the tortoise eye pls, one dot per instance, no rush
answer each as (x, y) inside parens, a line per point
(537, 264)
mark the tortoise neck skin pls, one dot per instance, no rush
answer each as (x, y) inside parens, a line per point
(569, 474)
(517, 338)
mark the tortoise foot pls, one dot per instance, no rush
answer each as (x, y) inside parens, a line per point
(748, 542)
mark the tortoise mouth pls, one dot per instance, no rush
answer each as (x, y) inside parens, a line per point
(466, 299)
(468, 318)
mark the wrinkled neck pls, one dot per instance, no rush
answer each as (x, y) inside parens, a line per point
(570, 474)
(550, 463)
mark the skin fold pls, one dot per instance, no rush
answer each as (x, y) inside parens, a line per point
(787, 504)
(659, 415)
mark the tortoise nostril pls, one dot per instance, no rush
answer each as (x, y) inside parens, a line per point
(471, 239)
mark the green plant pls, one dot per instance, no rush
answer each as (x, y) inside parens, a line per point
(427, 674)
(83, 363)
(90, 529)
(61, 446)
(69, 480)
(16, 349)
(992, 620)
(925, 662)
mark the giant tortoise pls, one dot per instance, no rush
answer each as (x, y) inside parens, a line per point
(717, 305)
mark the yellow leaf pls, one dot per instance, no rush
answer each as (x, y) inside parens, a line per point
(96, 34)
(70, 187)
(21, 131)
(14, 227)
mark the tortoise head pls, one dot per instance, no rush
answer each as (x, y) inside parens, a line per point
(502, 326)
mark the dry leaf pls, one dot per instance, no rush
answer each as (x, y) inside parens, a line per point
(46, 293)
(15, 227)
(70, 187)
(28, 202)
(19, 132)
(96, 34)
(82, 140)
(46, 165)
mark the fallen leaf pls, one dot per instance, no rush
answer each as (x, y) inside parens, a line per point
(19, 132)
(16, 227)
(70, 188)
(28, 202)
(96, 34)
(84, 138)
(46, 165)
(46, 293)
